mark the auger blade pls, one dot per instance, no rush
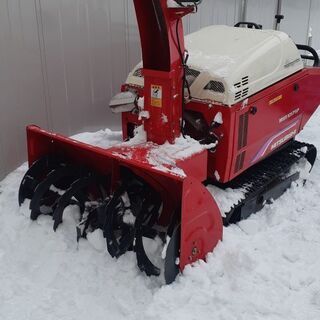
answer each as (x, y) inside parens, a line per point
(120, 243)
(76, 190)
(311, 155)
(90, 193)
(90, 221)
(146, 216)
(144, 263)
(34, 176)
(70, 173)
(136, 199)
(171, 264)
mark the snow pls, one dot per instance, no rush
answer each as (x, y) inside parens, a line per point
(237, 49)
(141, 103)
(226, 198)
(97, 240)
(172, 4)
(267, 267)
(140, 136)
(144, 114)
(218, 118)
(220, 64)
(163, 158)
(217, 175)
(165, 248)
(103, 138)
(164, 118)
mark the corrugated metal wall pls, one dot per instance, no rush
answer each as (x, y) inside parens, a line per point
(62, 60)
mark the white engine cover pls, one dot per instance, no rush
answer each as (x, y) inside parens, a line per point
(229, 64)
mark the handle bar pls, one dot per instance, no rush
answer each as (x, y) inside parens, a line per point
(314, 55)
(251, 25)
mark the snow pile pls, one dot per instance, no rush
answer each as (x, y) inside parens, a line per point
(183, 147)
(267, 267)
(163, 157)
(103, 138)
(140, 136)
(227, 198)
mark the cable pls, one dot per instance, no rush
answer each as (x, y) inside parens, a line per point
(195, 3)
(184, 59)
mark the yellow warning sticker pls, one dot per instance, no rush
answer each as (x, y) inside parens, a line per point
(156, 96)
(276, 99)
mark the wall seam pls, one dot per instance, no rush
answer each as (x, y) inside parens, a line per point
(111, 86)
(127, 46)
(309, 21)
(43, 61)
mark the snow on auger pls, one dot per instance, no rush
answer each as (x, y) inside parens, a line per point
(224, 113)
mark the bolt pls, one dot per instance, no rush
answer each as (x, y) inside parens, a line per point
(195, 251)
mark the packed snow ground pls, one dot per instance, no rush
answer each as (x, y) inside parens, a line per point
(267, 267)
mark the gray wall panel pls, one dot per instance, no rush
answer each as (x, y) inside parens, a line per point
(132, 36)
(314, 23)
(61, 61)
(296, 22)
(215, 12)
(262, 12)
(21, 81)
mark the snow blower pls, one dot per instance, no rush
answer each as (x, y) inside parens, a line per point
(223, 113)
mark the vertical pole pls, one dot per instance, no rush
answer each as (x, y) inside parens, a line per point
(243, 11)
(309, 34)
(278, 16)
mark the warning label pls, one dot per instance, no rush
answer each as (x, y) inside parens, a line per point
(156, 96)
(276, 99)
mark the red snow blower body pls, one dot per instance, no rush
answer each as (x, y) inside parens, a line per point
(157, 187)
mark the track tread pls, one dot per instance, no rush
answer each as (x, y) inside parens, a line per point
(268, 171)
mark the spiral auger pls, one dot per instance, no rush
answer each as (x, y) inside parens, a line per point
(132, 214)
(127, 215)
(51, 185)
